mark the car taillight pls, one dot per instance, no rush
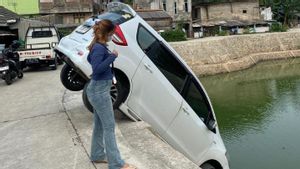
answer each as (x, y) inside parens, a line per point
(118, 37)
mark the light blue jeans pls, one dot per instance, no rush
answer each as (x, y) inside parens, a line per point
(103, 138)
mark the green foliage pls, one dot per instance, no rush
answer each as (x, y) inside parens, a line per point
(65, 31)
(223, 33)
(174, 35)
(284, 10)
(215, 31)
(248, 30)
(22, 43)
(278, 27)
(130, 2)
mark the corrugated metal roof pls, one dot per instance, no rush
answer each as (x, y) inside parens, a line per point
(154, 14)
(7, 15)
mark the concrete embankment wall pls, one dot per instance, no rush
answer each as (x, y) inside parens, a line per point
(231, 53)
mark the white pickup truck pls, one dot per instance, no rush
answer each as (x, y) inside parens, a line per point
(39, 45)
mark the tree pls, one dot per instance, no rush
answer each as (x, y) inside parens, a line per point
(284, 10)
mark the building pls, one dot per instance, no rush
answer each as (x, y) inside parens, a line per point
(14, 26)
(231, 10)
(158, 19)
(179, 10)
(22, 7)
(234, 16)
(68, 13)
(7, 19)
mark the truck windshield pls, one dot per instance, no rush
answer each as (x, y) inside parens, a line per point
(41, 34)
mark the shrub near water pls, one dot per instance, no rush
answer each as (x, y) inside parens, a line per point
(174, 35)
(278, 27)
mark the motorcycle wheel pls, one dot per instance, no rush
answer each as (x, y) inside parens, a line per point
(20, 75)
(8, 79)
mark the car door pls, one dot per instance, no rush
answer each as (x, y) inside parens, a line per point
(189, 132)
(157, 83)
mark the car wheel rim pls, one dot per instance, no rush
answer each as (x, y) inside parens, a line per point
(73, 75)
(114, 93)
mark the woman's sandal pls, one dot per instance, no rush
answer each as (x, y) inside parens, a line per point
(128, 166)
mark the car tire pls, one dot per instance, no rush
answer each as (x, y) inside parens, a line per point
(54, 64)
(207, 166)
(8, 79)
(85, 99)
(71, 79)
(118, 93)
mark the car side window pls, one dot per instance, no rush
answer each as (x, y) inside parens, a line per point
(164, 60)
(144, 38)
(198, 101)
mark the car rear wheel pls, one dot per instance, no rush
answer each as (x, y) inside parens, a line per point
(71, 79)
(118, 93)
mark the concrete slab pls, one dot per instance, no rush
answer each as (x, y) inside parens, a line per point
(38, 93)
(41, 142)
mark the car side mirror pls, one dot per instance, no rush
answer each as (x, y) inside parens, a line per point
(212, 124)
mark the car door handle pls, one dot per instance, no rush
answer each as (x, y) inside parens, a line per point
(148, 67)
(186, 111)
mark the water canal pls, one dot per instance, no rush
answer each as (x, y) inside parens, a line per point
(258, 112)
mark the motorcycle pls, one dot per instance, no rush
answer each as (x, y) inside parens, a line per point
(10, 67)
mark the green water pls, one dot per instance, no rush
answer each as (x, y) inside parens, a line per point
(258, 112)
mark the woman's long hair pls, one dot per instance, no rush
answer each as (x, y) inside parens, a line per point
(101, 30)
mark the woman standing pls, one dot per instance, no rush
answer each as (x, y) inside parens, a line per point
(98, 92)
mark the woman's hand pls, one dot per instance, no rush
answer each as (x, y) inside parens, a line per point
(115, 53)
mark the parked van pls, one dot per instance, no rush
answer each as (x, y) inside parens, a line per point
(39, 45)
(154, 84)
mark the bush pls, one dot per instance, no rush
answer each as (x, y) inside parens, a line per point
(278, 27)
(223, 33)
(65, 31)
(249, 30)
(174, 35)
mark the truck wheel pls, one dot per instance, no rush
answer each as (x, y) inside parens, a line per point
(71, 79)
(59, 60)
(8, 78)
(54, 64)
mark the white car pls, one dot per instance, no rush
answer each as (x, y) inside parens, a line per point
(154, 85)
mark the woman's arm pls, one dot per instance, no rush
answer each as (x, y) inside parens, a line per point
(98, 64)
